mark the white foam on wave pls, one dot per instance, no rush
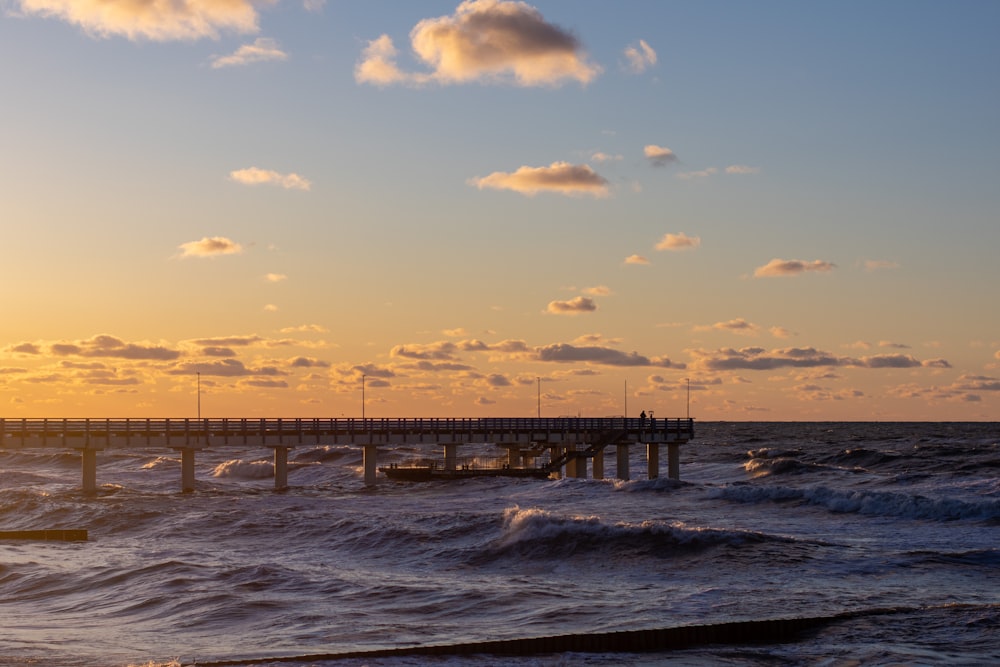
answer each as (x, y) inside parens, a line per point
(240, 469)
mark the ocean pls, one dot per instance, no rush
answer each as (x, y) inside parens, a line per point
(886, 533)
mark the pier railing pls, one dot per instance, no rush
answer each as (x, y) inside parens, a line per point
(50, 432)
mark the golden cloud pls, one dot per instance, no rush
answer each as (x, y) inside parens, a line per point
(791, 267)
(210, 247)
(679, 241)
(262, 50)
(560, 177)
(256, 176)
(484, 40)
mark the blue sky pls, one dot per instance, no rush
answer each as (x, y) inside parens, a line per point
(792, 205)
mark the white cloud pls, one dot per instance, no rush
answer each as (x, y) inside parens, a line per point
(636, 259)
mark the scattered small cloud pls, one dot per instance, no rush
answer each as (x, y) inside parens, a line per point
(275, 277)
(263, 49)
(780, 332)
(598, 290)
(640, 57)
(871, 265)
(659, 156)
(636, 259)
(210, 247)
(741, 169)
(791, 267)
(256, 176)
(703, 173)
(606, 157)
(559, 177)
(679, 241)
(485, 41)
(575, 306)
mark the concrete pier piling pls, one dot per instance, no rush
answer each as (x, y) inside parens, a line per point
(280, 466)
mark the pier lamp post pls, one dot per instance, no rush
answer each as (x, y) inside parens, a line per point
(538, 381)
(688, 380)
(363, 397)
(199, 395)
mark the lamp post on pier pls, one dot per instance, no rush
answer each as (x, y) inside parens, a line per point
(363, 397)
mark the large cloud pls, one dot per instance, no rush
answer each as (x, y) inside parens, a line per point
(159, 20)
(560, 177)
(486, 41)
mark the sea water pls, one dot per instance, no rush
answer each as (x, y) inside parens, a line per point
(898, 522)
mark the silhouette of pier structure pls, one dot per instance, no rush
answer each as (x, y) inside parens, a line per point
(569, 442)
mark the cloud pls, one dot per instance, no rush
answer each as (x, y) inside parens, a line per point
(443, 350)
(606, 157)
(560, 177)
(597, 290)
(224, 368)
(104, 345)
(486, 41)
(679, 241)
(659, 156)
(791, 267)
(757, 358)
(565, 353)
(738, 325)
(157, 20)
(275, 277)
(255, 176)
(210, 247)
(780, 332)
(636, 259)
(704, 173)
(262, 50)
(575, 306)
(640, 57)
(741, 169)
(306, 328)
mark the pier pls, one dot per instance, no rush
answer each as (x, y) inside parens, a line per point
(569, 442)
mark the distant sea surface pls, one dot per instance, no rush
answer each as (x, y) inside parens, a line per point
(769, 521)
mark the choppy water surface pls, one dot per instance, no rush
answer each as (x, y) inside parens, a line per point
(769, 521)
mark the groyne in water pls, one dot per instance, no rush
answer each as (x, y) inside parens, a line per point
(627, 641)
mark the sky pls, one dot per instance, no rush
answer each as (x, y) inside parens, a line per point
(771, 210)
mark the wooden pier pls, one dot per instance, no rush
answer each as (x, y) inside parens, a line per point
(569, 441)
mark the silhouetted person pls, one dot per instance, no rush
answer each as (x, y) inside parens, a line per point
(642, 418)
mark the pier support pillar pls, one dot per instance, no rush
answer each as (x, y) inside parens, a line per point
(89, 467)
(187, 467)
(555, 452)
(370, 463)
(653, 459)
(623, 472)
(450, 455)
(280, 466)
(674, 460)
(598, 464)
